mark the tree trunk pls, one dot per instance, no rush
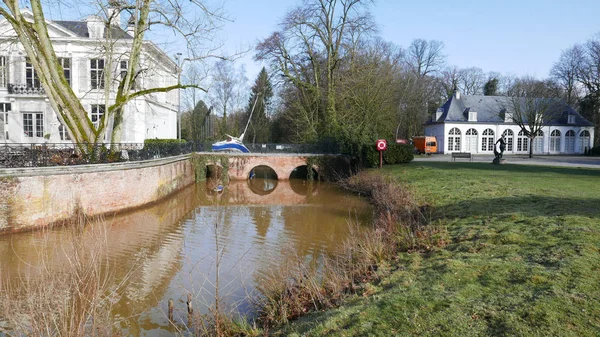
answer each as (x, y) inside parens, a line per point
(531, 147)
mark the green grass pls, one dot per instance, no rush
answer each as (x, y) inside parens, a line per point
(523, 258)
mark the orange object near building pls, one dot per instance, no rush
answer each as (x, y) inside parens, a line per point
(425, 144)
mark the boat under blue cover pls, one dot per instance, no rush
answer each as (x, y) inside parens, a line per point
(230, 145)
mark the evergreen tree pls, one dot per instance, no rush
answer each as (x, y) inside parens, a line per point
(260, 99)
(192, 122)
(490, 87)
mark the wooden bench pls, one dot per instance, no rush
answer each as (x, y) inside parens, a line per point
(461, 155)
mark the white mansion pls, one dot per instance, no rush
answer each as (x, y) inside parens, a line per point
(26, 115)
(474, 123)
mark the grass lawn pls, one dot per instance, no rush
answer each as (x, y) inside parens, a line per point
(522, 259)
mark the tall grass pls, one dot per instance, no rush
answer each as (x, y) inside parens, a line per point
(71, 298)
(298, 286)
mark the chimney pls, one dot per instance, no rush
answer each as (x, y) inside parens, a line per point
(131, 26)
(456, 93)
(113, 13)
(95, 26)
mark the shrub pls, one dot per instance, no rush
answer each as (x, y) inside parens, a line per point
(164, 146)
(398, 154)
(595, 151)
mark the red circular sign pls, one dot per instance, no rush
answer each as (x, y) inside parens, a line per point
(381, 145)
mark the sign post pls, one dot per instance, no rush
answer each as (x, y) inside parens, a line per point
(381, 146)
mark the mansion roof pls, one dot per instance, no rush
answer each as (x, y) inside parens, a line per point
(492, 109)
(80, 28)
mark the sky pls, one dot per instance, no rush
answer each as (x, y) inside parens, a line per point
(513, 37)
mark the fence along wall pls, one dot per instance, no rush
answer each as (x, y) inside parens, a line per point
(37, 197)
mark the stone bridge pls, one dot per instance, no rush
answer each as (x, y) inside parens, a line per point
(240, 165)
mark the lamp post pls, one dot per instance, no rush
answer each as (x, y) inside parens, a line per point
(178, 58)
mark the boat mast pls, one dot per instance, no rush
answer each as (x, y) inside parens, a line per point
(249, 118)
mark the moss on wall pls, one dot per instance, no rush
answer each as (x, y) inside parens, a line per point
(201, 161)
(8, 186)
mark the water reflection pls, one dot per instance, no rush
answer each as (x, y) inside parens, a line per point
(169, 250)
(262, 186)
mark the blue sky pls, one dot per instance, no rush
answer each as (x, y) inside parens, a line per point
(509, 36)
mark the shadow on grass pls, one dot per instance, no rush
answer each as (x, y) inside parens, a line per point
(517, 168)
(528, 205)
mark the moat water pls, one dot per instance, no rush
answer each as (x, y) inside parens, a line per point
(178, 246)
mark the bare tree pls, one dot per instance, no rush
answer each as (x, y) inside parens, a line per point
(227, 92)
(588, 74)
(449, 80)
(186, 19)
(425, 57)
(308, 50)
(565, 72)
(471, 81)
(531, 108)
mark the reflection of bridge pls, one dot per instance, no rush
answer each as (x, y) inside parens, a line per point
(241, 164)
(292, 192)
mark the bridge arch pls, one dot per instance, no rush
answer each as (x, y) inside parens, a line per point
(285, 166)
(304, 172)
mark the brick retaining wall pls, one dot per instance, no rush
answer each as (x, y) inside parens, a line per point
(32, 198)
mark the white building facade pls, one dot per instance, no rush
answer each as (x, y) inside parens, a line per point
(26, 115)
(474, 123)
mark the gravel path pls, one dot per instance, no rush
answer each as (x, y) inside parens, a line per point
(570, 161)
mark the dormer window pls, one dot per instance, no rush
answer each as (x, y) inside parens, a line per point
(508, 117)
(571, 119)
(472, 116)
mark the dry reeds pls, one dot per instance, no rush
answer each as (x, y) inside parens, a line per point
(72, 297)
(399, 225)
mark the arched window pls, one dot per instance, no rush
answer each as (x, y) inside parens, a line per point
(487, 140)
(555, 141)
(584, 140)
(471, 141)
(522, 142)
(454, 140)
(508, 135)
(570, 141)
(538, 142)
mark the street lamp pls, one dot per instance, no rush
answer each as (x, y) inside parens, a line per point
(178, 58)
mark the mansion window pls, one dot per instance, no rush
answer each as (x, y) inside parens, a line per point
(4, 111)
(97, 113)
(454, 140)
(3, 72)
(62, 132)
(97, 73)
(508, 135)
(487, 140)
(33, 124)
(123, 68)
(31, 77)
(66, 65)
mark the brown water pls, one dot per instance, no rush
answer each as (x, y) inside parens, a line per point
(170, 250)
